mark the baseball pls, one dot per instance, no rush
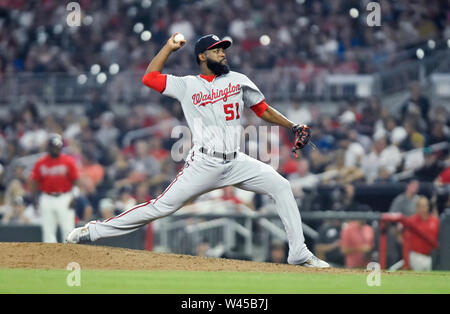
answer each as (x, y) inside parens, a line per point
(178, 37)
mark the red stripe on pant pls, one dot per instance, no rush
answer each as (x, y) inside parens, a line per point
(128, 211)
(145, 204)
(175, 180)
(149, 202)
(168, 188)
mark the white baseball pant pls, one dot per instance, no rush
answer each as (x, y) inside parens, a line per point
(203, 173)
(55, 210)
(420, 262)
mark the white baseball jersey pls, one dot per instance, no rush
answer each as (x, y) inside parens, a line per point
(213, 110)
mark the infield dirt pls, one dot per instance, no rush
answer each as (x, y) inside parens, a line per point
(58, 256)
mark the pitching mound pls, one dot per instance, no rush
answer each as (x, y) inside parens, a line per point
(58, 256)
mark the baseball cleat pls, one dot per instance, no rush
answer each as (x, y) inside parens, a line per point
(79, 235)
(315, 262)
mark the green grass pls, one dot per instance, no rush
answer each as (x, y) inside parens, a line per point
(178, 282)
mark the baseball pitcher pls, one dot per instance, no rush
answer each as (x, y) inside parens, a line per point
(213, 103)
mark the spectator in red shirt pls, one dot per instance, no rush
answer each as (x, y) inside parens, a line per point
(356, 244)
(444, 177)
(421, 236)
(156, 149)
(54, 175)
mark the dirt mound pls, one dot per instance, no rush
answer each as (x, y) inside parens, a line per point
(58, 256)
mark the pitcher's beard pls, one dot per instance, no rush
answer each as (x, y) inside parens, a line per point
(217, 68)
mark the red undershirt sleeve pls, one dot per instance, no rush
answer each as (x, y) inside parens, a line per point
(260, 108)
(155, 80)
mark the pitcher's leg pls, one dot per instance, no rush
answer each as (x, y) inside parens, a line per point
(253, 175)
(196, 178)
(280, 191)
(126, 222)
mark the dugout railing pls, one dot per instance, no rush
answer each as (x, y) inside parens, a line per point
(270, 224)
(246, 234)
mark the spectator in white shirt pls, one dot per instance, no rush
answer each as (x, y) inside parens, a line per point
(299, 112)
(303, 179)
(354, 151)
(381, 162)
(20, 214)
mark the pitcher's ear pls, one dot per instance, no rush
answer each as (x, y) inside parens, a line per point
(201, 57)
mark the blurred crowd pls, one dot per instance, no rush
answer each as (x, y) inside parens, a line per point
(126, 159)
(368, 142)
(315, 36)
(113, 177)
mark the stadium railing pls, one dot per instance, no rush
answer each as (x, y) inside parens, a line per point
(398, 77)
(237, 232)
